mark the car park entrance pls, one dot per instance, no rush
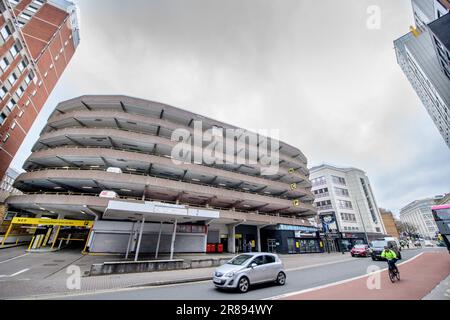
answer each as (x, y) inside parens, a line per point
(51, 234)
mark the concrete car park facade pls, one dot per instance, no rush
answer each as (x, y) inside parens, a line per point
(111, 159)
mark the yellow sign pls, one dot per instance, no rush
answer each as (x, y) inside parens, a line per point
(293, 186)
(297, 244)
(291, 170)
(53, 222)
(296, 202)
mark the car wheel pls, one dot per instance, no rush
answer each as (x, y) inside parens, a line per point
(281, 279)
(353, 255)
(373, 259)
(243, 284)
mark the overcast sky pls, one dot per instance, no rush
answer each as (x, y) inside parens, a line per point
(309, 68)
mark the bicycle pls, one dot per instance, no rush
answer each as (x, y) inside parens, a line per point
(394, 274)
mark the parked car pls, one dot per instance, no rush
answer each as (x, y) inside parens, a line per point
(108, 194)
(377, 247)
(360, 250)
(249, 269)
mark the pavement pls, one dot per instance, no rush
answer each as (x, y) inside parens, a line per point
(28, 275)
(419, 276)
(441, 292)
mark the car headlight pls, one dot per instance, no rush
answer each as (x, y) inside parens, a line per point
(229, 274)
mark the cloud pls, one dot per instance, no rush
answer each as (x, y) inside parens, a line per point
(309, 68)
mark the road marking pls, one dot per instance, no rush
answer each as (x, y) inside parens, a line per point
(23, 255)
(14, 274)
(69, 294)
(318, 265)
(285, 295)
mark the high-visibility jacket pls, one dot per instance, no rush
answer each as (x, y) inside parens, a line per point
(389, 254)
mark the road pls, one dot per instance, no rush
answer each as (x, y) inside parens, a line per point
(296, 280)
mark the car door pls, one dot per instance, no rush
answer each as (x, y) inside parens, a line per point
(256, 274)
(271, 268)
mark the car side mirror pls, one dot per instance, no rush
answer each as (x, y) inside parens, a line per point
(252, 265)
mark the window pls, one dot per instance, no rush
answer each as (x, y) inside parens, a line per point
(348, 217)
(13, 125)
(2, 118)
(345, 204)
(3, 92)
(32, 9)
(22, 65)
(269, 259)
(5, 32)
(38, 2)
(12, 78)
(341, 192)
(338, 180)
(14, 50)
(4, 63)
(28, 79)
(258, 260)
(369, 202)
(19, 91)
(324, 204)
(319, 181)
(11, 104)
(25, 16)
(20, 114)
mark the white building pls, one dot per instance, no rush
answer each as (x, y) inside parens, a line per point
(424, 60)
(345, 196)
(418, 213)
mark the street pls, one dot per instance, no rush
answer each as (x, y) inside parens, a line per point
(296, 280)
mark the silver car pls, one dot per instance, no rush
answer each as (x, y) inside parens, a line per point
(249, 268)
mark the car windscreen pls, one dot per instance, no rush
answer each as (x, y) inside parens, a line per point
(240, 260)
(379, 244)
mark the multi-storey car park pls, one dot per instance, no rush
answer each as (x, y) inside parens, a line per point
(109, 159)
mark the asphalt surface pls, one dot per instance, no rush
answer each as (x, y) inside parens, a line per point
(205, 290)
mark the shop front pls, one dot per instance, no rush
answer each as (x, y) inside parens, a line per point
(245, 238)
(289, 239)
(349, 240)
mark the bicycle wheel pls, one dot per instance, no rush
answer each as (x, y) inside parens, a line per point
(397, 275)
(391, 276)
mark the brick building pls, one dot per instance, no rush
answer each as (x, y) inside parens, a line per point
(389, 223)
(37, 40)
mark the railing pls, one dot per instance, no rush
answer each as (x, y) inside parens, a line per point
(304, 169)
(159, 155)
(163, 201)
(167, 178)
(322, 195)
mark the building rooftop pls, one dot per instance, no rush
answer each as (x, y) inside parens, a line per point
(334, 167)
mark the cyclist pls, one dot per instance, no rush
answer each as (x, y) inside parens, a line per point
(391, 258)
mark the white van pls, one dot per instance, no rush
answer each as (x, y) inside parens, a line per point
(395, 240)
(114, 169)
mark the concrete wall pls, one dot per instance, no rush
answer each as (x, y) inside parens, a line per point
(113, 236)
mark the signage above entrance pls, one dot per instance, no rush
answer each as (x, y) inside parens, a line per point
(53, 222)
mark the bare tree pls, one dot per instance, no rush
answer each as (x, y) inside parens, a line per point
(406, 228)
